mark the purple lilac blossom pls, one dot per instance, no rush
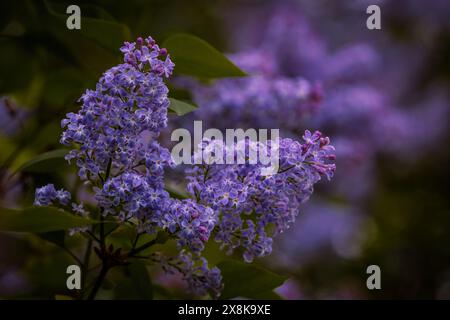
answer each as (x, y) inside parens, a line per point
(249, 201)
(129, 99)
(115, 134)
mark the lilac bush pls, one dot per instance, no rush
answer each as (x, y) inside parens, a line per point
(114, 135)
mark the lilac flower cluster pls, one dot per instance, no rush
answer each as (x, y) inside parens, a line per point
(49, 196)
(132, 195)
(249, 201)
(115, 134)
(129, 99)
(192, 221)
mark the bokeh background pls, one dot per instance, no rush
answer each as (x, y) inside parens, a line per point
(382, 96)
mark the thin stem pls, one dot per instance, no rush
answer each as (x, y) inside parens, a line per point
(102, 231)
(141, 257)
(87, 256)
(111, 231)
(136, 240)
(108, 169)
(141, 248)
(286, 169)
(94, 267)
(93, 236)
(98, 281)
(105, 264)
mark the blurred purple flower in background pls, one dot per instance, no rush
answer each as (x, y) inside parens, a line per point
(11, 116)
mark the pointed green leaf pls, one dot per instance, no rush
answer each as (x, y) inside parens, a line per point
(247, 280)
(39, 220)
(104, 32)
(141, 280)
(56, 237)
(180, 107)
(136, 284)
(195, 57)
(45, 162)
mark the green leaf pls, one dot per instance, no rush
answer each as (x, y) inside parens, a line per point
(56, 237)
(122, 237)
(140, 280)
(195, 57)
(106, 33)
(246, 280)
(20, 63)
(45, 162)
(39, 220)
(180, 107)
(162, 237)
(161, 292)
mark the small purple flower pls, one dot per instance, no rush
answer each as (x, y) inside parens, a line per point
(48, 195)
